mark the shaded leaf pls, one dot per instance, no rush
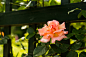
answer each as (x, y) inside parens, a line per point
(64, 47)
(30, 30)
(74, 31)
(56, 56)
(31, 33)
(76, 46)
(79, 36)
(69, 36)
(55, 48)
(72, 54)
(40, 50)
(82, 54)
(51, 52)
(3, 41)
(23, 55)
(29, 56)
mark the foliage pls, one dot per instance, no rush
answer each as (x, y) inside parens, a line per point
(75, 1)
(56, 49)
(78, 33)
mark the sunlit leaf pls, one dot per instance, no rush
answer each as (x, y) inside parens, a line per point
(75, 1)
(21, 8)
(34, 0)
(80, 14)
(17, 54)
(53, 2)
(23, 46)
(46, 4)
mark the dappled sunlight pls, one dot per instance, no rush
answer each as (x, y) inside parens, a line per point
(1, 50)
(17, 48)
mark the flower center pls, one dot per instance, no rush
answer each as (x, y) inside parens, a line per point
(55, 35)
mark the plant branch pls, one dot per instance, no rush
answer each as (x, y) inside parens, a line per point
(82, 48)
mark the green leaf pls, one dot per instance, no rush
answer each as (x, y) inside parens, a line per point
(21, 8)
(72, 54)
(84, 13)
(30, 30)
(3, 41)
(69, 36)
(28, 56)
(79, 36)
(5, 37)
(76, 46)
(18, 31)
(80, 14)
(17, 54)
(46, 4)
(53, 2)
(40, 50)
(56, 56)
(64, 47)
(83, 31)
(76, 25)
(55, 48)
(74, 31)
(23, 55)
(34, 0)
(82, 54)
(51, 52)
(31, 33)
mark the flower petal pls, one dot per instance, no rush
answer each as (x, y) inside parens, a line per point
(41, 32)
(61, 37)
(62, 26)
(45, 40)
(54, 23)
(58, 38)
(65, 32)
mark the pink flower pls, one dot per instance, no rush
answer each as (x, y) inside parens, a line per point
(53, 30)
(16, 37)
